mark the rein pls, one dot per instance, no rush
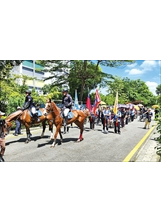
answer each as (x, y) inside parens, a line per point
(51, 110)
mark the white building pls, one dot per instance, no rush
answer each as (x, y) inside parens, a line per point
(31, 69)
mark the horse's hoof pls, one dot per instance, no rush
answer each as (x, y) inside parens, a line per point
(52, 146)
(79, 140)
(1, 159)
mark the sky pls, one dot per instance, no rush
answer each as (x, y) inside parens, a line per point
(148, 71)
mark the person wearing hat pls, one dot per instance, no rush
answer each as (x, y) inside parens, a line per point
(66, 106)
(2, 137)
(18, 125)
(29, 104)
(1, 114)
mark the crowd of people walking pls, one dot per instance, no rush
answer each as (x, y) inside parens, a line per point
(106, 117)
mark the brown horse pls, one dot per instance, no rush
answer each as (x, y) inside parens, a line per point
(3, 132)
(78, 118)
(27, 120)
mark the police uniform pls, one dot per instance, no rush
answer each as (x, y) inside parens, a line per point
(67, 105)
(29, 104)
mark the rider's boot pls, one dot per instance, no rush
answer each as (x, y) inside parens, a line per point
(36, 117)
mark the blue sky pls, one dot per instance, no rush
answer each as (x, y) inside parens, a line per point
(148, 71)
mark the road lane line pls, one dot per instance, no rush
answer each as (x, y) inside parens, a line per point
(130, 155)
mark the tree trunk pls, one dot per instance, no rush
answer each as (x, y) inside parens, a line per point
(82, 89)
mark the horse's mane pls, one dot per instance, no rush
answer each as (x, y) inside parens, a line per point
(55, 107)
(14, 115)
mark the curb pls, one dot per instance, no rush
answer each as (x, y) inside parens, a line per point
(147, 136)
(131, 157)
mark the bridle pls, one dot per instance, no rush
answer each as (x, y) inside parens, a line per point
(49, 110)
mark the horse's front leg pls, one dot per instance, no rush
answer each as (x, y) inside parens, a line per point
(51, 129)
(55, 136)
(43, 130)
(2, 154)
(1, 158)
(81, 133)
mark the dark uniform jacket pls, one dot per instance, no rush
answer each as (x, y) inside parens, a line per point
(67, 101)
(28, 102)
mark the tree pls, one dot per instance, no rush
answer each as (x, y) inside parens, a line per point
(158, 90)
(83, 75)
(6, 66)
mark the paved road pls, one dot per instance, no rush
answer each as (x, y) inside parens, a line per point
(96, 146)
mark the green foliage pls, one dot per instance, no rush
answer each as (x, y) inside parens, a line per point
(83, 75)
(158, 139)
(6, 66)
(158, 90)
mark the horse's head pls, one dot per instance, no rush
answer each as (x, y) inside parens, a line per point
(87, 112)
(48, 107)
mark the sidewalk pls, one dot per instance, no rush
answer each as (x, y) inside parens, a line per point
(147, 153)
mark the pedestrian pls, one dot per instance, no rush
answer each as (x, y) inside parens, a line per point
(122, 120)
(149, 115)
(66, 107)
(18, 125)
(156, 113)
(98, 112)
(2, 137)
(127, 116)
(132, 114)
(116, 121)
(92, 119)
(106, 114)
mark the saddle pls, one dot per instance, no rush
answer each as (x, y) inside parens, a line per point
(38, 111)
(70, 115)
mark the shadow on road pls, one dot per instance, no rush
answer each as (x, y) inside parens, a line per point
(58, 142)
(23, 140)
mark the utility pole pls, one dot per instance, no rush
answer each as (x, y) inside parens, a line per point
(34, 73)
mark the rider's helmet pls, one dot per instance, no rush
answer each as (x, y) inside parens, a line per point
(65, 90)
(28, 91)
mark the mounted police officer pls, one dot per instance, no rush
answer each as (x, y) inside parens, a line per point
(29, 104)
(66, 106)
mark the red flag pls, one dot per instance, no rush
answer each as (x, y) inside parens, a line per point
(88, 103)
(97, 101)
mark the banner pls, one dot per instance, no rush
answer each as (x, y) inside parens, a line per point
(116, 104)
(96, 102)
(88, 103)
(76, 104)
